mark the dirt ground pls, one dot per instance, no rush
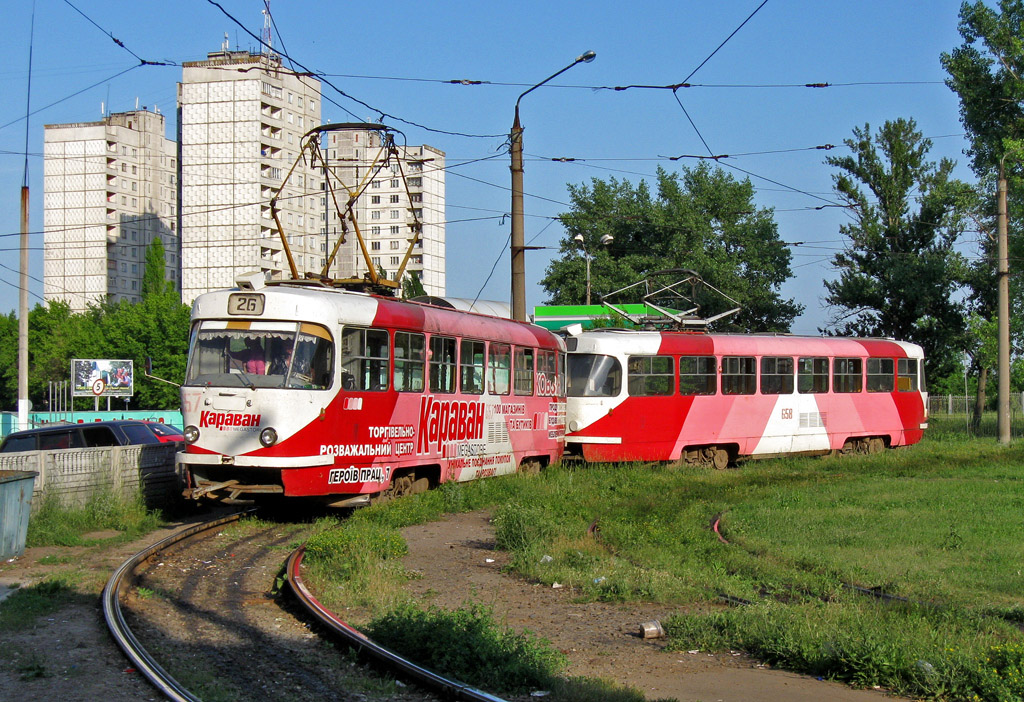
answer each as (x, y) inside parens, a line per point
(70, 656)
(456, 562)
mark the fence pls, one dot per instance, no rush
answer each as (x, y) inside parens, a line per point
(964, 404)
(74, 475)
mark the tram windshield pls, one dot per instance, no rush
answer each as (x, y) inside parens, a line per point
(261, 355)
(594, 375)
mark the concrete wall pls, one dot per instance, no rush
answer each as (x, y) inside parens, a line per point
(75, 475)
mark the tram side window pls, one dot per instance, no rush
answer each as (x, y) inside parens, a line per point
(548, 383)
(523, 372)
(739, 375)
(409, 361)
(499, 369)
(847, 375)
(649, 375)
(881, 375)
(906, 374)
(442, 364)
(776, 375)
(364, 359)
(812, 375)
(472, 367)
(698, 375)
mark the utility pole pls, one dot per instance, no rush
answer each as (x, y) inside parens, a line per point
(518, 247)
(1003, 310)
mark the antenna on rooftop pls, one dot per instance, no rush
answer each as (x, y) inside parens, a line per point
(226, 45)
(266, 35)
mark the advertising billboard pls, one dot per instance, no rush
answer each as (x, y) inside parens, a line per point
(102, 378)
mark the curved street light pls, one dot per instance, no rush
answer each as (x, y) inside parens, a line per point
(517, 244)
(605, 240)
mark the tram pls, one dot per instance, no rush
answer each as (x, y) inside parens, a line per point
(299, 390)
(705, 398)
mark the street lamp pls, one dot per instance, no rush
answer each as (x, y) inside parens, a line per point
(517, 245)
(605, 240)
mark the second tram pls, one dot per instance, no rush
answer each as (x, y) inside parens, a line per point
(714, 398)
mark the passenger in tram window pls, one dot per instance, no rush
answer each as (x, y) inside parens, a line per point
(251, 357)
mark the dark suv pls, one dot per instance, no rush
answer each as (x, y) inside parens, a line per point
(117, 432)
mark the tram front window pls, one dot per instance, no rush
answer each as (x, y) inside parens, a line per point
(594, 375)
(292, 356)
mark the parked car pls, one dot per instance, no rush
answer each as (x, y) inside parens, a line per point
(116, 432)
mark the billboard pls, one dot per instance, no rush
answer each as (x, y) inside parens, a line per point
(102, 378)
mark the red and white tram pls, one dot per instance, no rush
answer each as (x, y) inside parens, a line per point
(307, 391)
(713, 398)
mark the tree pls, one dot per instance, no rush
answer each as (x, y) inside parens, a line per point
(899, 272)
(986, 73)
(153, 280)
(701, 219)
(412, 286)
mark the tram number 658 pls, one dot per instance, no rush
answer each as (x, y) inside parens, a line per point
(787, 412)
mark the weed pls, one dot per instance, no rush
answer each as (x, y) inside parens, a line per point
(468, 645)
(33, 668)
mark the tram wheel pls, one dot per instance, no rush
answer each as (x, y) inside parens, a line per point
(720, 459)
(876, 445)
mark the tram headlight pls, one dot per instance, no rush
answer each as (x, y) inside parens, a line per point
(268, 437)
(191, 434)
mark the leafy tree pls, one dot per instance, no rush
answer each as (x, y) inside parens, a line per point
(701, 219)
(899, 273)
(986, 73)
(412, 286)
(153, 280)
(155, 328)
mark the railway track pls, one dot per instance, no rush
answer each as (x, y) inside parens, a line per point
(204, 596)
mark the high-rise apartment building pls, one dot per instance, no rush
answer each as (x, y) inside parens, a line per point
(109, 189)
(241, 118)
(389, 206)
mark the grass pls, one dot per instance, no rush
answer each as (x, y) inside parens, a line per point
(934, 527)
(56, 525)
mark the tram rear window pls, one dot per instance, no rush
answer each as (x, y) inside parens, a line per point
(594, 375)
(262, 355)
(906, 374)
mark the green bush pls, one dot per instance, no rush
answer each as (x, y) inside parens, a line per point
(466, 644)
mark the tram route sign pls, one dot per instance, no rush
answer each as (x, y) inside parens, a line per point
(95, 377)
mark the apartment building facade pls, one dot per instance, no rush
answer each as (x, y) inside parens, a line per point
(241, 117)
(399, 191)
(109, 189)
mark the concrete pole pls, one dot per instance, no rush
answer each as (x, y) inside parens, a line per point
(23, 402)
(1003, 279)
(518, 250)
(518, 244)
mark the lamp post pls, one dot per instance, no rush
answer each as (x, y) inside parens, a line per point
(517, 243)
(605, 240)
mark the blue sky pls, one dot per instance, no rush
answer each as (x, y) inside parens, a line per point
(394, 57)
